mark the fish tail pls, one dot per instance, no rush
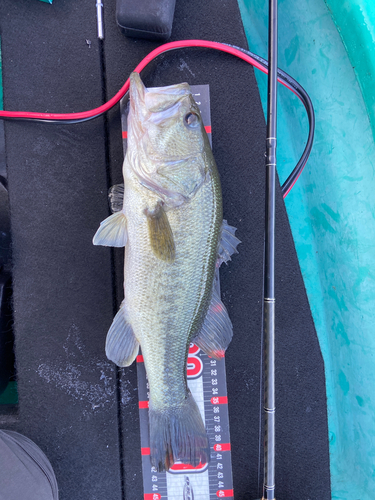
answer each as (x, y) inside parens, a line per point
(178, 434)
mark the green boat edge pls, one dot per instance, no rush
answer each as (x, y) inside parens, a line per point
(328, 46)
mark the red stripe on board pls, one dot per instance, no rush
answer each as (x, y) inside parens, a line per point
(219, 400)
(224, 493)
(180, 467)
(208, 129)
(143, 404)
(145, 451)
(222, 447)
(124, 134)
(139, 358)
(152, 496)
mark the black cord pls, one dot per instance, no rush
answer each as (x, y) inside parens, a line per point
(305, 98)
(291, 82)
(46, 120)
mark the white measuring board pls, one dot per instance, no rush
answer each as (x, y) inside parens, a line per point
(207, 382)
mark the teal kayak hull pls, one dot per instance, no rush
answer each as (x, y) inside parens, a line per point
(329, 48)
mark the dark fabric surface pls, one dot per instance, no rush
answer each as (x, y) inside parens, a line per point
(64, 299)
(62, 284)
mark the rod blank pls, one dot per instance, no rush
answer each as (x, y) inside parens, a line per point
(269, 263)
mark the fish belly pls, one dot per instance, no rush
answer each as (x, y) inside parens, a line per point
(165, 303)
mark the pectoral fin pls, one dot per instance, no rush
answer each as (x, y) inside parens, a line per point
(112, 231)
(216, 331)
(121, 346)
(160, 233)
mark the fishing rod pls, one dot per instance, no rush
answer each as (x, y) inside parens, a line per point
(269, 263)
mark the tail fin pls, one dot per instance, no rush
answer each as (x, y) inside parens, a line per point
(178, 434)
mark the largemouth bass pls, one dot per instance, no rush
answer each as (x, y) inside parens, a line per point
(175, 239)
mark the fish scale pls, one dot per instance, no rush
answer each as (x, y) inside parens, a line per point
(206, 379)
(173, 292)
(171, 224)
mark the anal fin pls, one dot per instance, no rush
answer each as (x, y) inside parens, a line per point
(121, 345)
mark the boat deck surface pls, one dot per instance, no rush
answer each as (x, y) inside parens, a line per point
(74, 403)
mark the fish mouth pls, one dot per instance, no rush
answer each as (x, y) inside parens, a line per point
(156, 99)
(137, 92)
(136, 84)
(173, 173)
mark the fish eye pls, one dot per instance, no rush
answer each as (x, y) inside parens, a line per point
(191, 120)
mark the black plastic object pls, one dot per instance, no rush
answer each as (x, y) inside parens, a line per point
(25, 470)
(6, 333)
(7, 361)
(151, 19)
(4, 206)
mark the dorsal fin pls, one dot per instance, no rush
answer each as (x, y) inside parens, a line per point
(217, 331)
(228, 243)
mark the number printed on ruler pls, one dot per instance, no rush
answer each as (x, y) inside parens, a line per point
(207, 383)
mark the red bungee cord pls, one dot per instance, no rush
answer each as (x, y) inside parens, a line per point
(120, 94)
(260, 64)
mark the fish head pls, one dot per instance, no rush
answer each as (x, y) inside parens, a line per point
(167, 140)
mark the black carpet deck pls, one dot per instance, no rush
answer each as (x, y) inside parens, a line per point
(66, 290)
